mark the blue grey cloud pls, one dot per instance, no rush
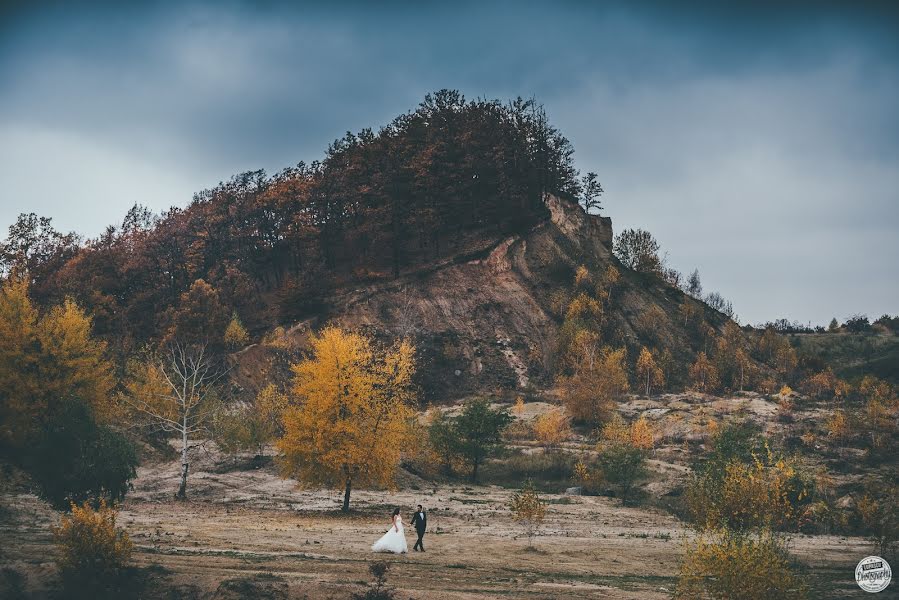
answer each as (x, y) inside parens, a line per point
(759, 142)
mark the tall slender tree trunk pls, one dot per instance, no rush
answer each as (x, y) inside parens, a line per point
(185, 466)
(346, 495)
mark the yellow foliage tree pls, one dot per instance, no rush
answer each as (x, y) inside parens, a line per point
(643, 434)
(599, 381)
(528, 510)
(785, 360)
(519, 406)
(350, 415)
(235, 334)
(551, 429)
(610, 279)
(271, 405)
(582, 278)
(648, 372)
(583, 307)
(838, 426)
(640, 434)
(46, 359)
(703, 374)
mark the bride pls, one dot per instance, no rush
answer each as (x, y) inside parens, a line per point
(395, 538)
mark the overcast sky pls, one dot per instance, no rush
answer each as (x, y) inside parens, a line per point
(758, 143)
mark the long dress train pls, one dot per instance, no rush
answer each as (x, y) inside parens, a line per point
(394, 540)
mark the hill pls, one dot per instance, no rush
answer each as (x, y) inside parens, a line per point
(458, 222)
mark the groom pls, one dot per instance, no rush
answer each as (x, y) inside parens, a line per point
(420, 520)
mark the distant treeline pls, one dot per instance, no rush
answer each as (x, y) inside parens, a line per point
(448, 176)
(854, 324)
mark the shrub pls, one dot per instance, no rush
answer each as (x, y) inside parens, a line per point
(378, 589)
(739, 440)
(241, 430)
(75, 458)
(878, 514)
(726, 566)
(750, 496)
(551, 429)
(92, 551)
(545, 470)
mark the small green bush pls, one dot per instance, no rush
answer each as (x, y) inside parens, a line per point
(74, 459)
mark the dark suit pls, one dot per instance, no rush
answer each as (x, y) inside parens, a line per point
(420, 521)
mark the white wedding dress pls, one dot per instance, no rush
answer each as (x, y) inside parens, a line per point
(394, 540)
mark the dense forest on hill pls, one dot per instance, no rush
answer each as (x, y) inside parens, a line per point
(430, 184)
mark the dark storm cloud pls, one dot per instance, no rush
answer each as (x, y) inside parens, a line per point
(758, 142)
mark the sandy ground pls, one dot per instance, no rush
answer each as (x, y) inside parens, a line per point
(248, 533)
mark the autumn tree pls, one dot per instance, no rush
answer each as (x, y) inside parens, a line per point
(350, 410)
(46, 359)
(786, 361)
(449, 173)
(250, 427)
(640, 434)
(703, 374)
(235, 333)
(551, 429)
(730, 357)
(528, 509)
(598, 382)
(648, 372)
(177, 392)
(270, 406)
(610, 278)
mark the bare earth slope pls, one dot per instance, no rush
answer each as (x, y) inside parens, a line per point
(483, 324)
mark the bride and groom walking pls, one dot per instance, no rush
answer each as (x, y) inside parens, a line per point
(395, 538)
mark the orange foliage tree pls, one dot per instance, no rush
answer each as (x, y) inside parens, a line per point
(599, 380)
(551, 429)
(703, 374)
(649, 373)
(350, 413)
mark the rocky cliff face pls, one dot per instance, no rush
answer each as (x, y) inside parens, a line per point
(483, 324)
